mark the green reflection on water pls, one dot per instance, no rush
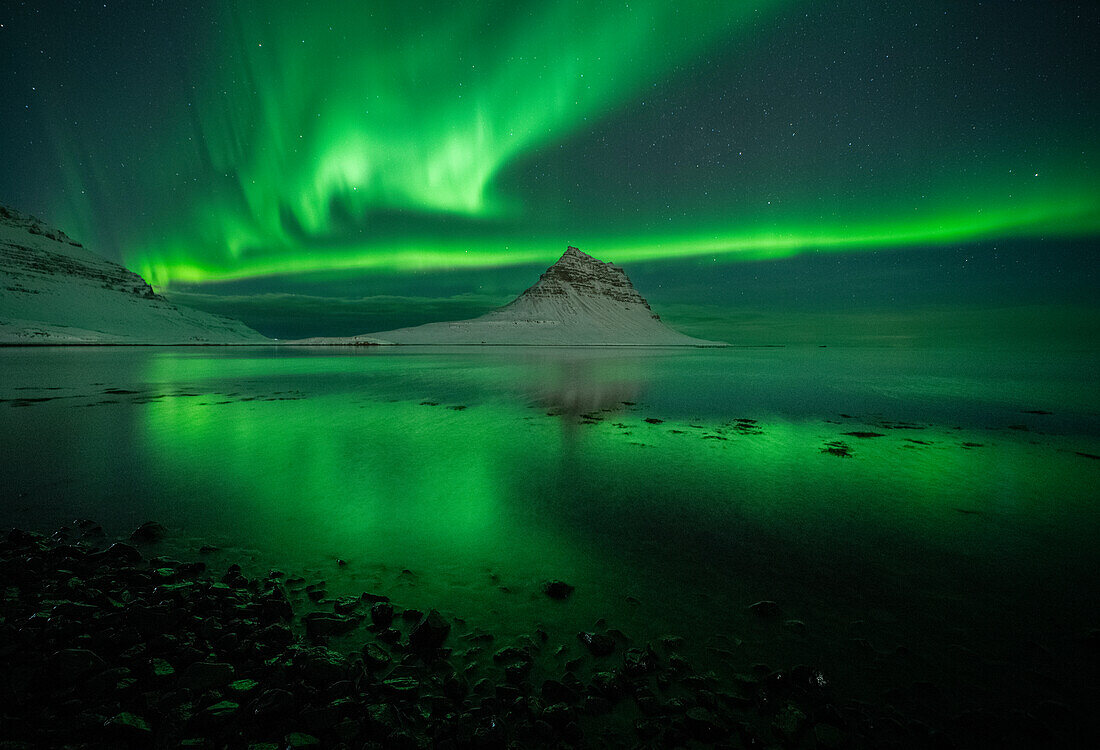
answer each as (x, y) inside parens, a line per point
(294, 458)
(541, 466)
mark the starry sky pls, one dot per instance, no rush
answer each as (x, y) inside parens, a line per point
(767, 172)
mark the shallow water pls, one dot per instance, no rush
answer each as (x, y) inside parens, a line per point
(672, 488)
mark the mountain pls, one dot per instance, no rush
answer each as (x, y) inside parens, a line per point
(578, 301)
(54, 291)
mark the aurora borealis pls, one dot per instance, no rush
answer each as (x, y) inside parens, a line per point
(424, 150)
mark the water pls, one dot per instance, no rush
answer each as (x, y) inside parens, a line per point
(964, 533)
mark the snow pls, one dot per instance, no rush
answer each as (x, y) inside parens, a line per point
(578, 301)
(55, 291)
(330, 341)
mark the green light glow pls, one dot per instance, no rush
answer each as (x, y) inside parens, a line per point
(393, 108)
(1068, 217)
(394, 138)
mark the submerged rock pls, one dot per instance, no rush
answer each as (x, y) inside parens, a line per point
(557, 589)
(148, 532)
(324, 625)
(766, 609)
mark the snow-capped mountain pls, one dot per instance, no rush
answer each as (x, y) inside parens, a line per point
(578, 301)
(54, 291)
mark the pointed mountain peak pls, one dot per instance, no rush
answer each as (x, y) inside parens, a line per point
(574, 256)
(576, 252)
(578, 301)
(578, 275)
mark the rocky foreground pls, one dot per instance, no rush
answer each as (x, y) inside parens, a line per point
(102, 645)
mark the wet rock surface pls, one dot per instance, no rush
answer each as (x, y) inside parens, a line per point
(155, 653)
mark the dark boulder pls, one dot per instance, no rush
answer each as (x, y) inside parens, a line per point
(375, 657)
(598, 644)
(430, 633)
(117, 554)
(381, 614)
(559, 590)
(148, 533)
(273, 703)
(71, 663)
(203, 675)
(275, 606)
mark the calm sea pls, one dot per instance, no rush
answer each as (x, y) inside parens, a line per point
(918, 515)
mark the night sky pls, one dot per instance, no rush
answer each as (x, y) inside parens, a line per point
(768, 172)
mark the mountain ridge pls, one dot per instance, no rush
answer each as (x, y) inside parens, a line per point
(53, 290)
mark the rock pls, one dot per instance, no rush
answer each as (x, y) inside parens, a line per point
(558, 714)
(346, 730)
(221, 711)
(321, 666)
(788, 722)
(274, 702)
(296, 740)
(73, 663)
(401, 686)
(117, 554)
(324, 625)
(828, 737)
(148, 533)
(559, 590)
(275, 635)
(765, 608)
(648, 704)
(430, 633)
(162, 668)
(203, 675)
(95, 531)
(375, 657)
(510, 654)
(381, 614)
(274, 605)
(700, 723)
(345, 605)
(130, 725)
(638, 662)
(109, 681)
(382, 719)
(596, 705)
(598, 644)
(243, 686)
(554, 691)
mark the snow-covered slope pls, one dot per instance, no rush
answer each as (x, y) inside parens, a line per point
(578, 301)
(54, 291)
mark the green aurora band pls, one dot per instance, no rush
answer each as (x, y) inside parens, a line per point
(387, 138)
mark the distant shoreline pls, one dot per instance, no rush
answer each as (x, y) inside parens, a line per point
(55, 344)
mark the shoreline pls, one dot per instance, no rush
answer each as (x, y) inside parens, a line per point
(109, 644)
(105, 643)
